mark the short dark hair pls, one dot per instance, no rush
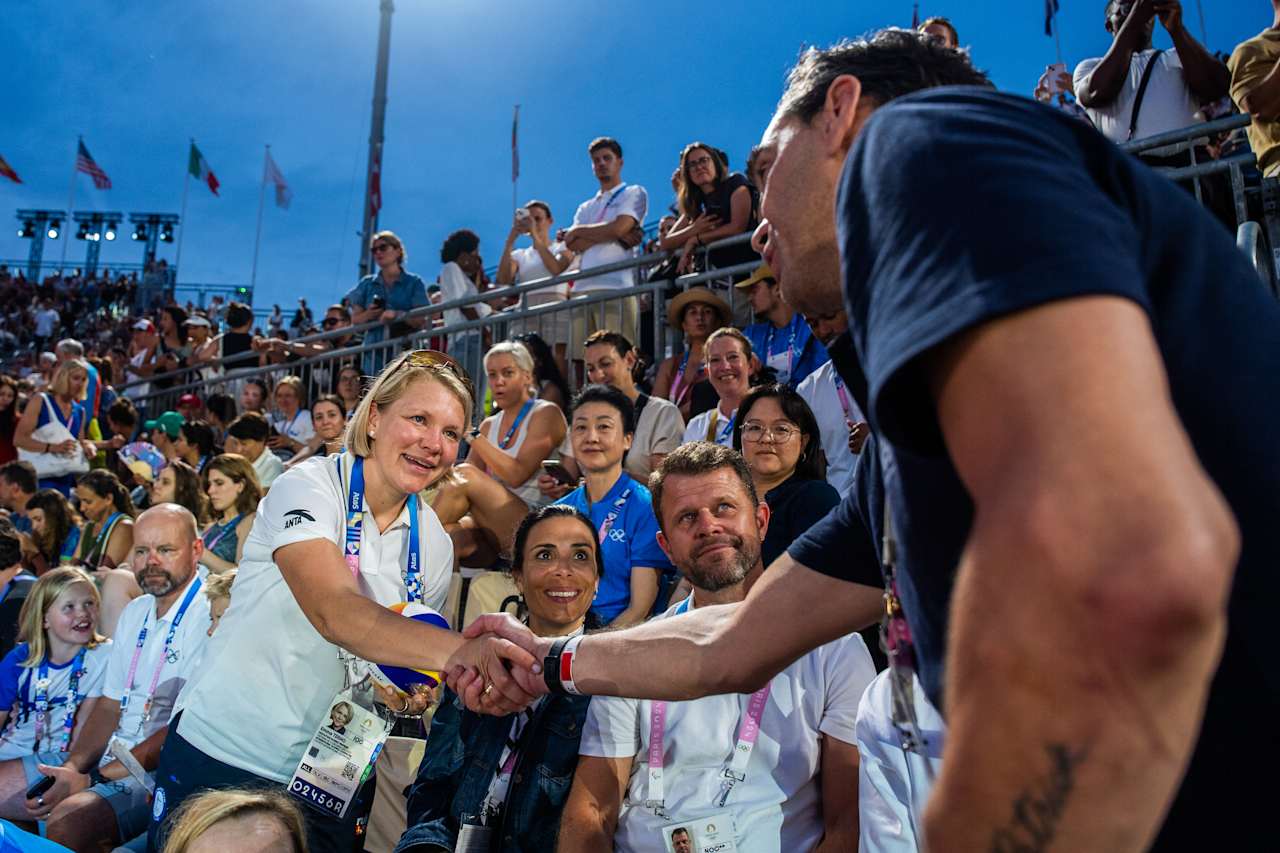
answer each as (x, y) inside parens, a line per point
(613, 339)
(10, 548)
(694, 458)
(546, 208)
(605, 142)
(940, 21)
(200, 434)
(811, 464)
(238, 314)
(221, 406)
(610, 396)
(250, 425)
(462, 240)
(21, 474)
(889, 64)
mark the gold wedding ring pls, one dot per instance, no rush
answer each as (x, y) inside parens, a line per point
(488, 689)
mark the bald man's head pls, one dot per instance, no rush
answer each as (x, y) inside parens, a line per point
(166, 549)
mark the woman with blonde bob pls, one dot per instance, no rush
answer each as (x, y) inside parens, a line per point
(232, 486)
(235, 820)
(50, 681)
(336, 542)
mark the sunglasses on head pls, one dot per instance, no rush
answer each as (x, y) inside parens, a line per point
(436, 360)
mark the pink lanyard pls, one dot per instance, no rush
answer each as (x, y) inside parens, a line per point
(844, 400)
(166, 656)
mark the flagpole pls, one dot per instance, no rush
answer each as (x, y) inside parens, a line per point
(1057, 37)
(257, 237)
(182, 217)
(71, 196)
(515, 174)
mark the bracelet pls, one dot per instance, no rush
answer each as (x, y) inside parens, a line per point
(557, 667)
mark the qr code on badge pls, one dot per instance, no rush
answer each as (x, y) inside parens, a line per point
(349, 772)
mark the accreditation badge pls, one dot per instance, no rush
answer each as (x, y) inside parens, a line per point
(340, 755)
(708, 834)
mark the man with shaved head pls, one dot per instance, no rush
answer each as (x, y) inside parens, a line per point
(159, 641)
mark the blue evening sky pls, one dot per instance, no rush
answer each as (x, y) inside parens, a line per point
(138, 79)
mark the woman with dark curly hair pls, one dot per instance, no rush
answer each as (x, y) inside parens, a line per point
(54, 529)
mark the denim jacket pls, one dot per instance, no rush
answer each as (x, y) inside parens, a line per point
(462, 756)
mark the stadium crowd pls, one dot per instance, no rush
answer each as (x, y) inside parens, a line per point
(230, 618)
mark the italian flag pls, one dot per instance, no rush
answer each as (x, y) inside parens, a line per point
(199, 169)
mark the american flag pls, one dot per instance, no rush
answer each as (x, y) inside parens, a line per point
(86, 164)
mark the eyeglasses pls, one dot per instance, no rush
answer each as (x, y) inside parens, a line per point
(694, 162)
(755, 432)
(437, 360)
(382, 247)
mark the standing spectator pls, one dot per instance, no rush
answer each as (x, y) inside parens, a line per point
(385, 296)
(781, 336)
(543, 259)
(778, 437)
(1255, 87)
(603, 233)
(460, 278)
(302, 320)
(68, 349)
(619, 508)
(142, 348)
(204, 348)
(47, 321)
(247, 436)
(275, 323)
(234, 493)
(793, 788)
(291, 419)
(61, 404)
(731, 364)
(942, 29)
(235, 346)
(840, 421)
(1180, 80)
(8, 418)
(714, 204)
(697, 312)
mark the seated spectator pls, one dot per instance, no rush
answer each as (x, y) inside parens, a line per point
(217, 588)
(1255, 88)
(233, 491)
(635, 569)
(489, 777)
(60, 405)
(291, 420)
(247, 436)
(94, 799)
(123, 421)
(53, 678)
(8, 418)
(55, 531)
(18, 483)
(253, 396)
(190, 407)
(544, 259)
(230, 819)
(350, 387)
(460, 278)
(195, 444)
(164, 431)
(840, 422)
(778, 437)
(714, 204)
(221, 411)
(548, 373)
(793, 788)
(781, 337)
(606, 230)
(385, 296)
(15, 584)
(179, 483)
(108, 513)
(941, 29)
(696, 312)
(479, 514)
(512, 443)
(731, 364)
(329, 416)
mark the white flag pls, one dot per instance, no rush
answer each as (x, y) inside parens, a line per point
(283, 194)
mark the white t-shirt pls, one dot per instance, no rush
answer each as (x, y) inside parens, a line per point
(176, 670)
(454, 284)
(137, 392)
(527, 491)
(299, 427)
(893, 786)
(722, 428)
(267, 466)
(819, 390)
(778, 807)
(606, 206)
(45, 322)
(530, 267)
(19, 735)
(269, 676)
(1167, 105)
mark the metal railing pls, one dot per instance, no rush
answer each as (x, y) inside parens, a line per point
(564, 322)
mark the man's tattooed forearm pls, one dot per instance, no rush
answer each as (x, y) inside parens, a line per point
(1037, 810)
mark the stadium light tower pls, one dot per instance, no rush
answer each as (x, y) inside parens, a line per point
(373, 174)
(152, 229)
(36, 226)
(96, 226)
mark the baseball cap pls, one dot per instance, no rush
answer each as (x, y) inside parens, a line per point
(197, 320)
(144, 325)
(764, 271)
(171, 422)
(190, 400)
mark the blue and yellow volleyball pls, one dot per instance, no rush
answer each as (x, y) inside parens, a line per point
(402, 677)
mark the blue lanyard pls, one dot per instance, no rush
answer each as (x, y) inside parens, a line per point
(607, 524)
(355, 522)
(292, 421)
(69, 546)
(73, 701)
(791, 348)
(524, 410)
(104, 537)
(222, 531)
(682, 607)
(166, 656)
(614, 195)
(715, 419)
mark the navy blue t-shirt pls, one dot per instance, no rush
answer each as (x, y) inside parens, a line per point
(958, 206)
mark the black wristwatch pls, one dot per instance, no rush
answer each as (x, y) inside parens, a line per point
(96, 777)
(551, 668)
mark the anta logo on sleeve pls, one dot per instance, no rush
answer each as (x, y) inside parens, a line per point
(294, 517)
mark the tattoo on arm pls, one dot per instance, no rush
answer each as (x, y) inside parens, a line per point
(1037, 810)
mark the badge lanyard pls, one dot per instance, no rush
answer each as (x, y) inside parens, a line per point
(230, 525)
(288, 430)
(844, 399)
(355, 523)
(714, 420)
(524, 410)
(501, 784)
(104, 536)
(607, 524)
(609, 203)
(791, 348)
(166, 656)
(680, 390)
(73, 701)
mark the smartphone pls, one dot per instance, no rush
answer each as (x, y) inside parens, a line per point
(43, 784)
(555, 468)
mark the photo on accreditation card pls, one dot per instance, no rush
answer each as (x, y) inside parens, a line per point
(702, 835)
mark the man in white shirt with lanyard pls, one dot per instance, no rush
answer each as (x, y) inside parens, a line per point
(600, 227)
(159, 643)
(841, 423)
(772, 771)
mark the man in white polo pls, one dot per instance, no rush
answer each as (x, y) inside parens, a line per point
(775, 770)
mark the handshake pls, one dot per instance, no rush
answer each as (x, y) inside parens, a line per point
(498, 670)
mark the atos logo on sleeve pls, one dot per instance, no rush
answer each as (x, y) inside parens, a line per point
(294, 517)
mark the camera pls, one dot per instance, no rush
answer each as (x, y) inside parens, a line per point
(523, 217)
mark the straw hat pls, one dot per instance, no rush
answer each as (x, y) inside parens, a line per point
(675, 308)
